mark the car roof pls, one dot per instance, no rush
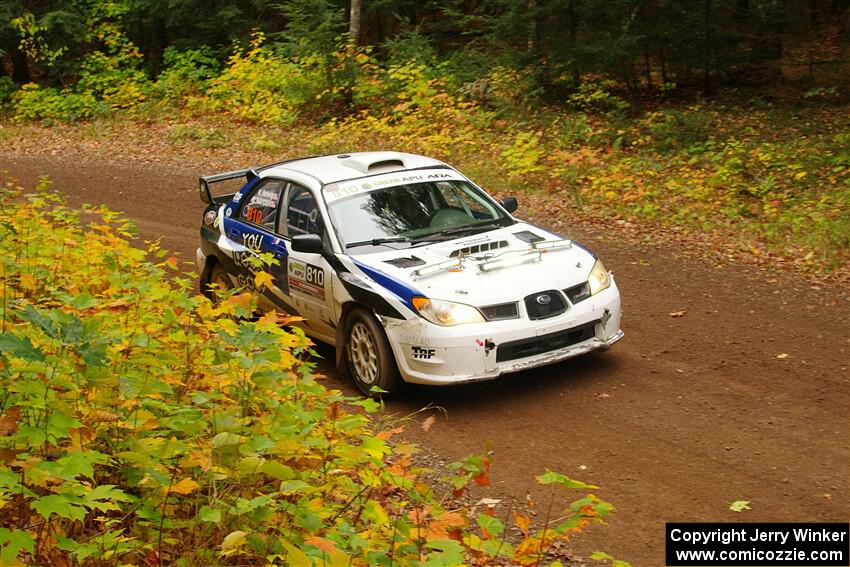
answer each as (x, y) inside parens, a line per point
(341, 167)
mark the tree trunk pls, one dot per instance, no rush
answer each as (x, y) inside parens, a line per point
(707, 54)
(354, 23)
(573, 30)
(20, 67)
(647, 62)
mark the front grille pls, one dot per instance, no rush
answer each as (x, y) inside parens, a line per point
(578, 292)
(545, 343)
(500, 312)
(545, 304)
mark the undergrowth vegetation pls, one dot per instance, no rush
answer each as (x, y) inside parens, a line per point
(145, 425)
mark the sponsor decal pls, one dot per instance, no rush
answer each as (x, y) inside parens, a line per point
(265, 198)
(248, 259)
(252, 241)
(237, 197)
(421, 353)
(306, 278)
(228, 212)
(372, 183)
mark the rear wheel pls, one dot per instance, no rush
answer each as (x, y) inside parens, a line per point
(370, 358)
(218, 281)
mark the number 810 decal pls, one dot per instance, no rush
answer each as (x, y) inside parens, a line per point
(306, 278)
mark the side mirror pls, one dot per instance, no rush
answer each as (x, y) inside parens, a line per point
(309, 243)
(509, 204)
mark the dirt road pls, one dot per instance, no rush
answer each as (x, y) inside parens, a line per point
(682, 417)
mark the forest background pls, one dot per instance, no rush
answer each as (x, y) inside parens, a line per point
(142, 425)
(720, 117)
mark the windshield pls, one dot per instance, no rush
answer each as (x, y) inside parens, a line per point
(413, 213)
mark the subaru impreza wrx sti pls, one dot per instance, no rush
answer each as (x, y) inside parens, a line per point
(407, 267)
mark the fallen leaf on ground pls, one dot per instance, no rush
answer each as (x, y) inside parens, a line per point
(739, 505)
(429, 421)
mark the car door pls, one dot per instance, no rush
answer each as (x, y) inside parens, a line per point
(307, 276)
(252, 234)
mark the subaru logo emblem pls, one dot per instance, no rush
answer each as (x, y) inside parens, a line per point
(544, 299)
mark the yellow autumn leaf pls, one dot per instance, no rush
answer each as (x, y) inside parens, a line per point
(338, 558)
(262, 279)
(232, 542)
(27, 281)
(229, 326)
(270, 318)
(295, 557)
(185, 486)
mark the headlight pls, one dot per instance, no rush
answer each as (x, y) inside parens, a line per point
(599, 278)
(446, 313)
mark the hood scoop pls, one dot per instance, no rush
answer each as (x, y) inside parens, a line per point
(406, 262)
(528, 236)
(478, 248)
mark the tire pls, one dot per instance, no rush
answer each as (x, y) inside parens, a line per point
(218, 275)
(369, 356)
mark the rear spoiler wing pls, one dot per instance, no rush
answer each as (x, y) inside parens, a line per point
(206, 181)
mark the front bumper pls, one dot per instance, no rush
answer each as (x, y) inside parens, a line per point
(430, 354)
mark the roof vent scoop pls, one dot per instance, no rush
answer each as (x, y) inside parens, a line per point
(386, 165)
(375, 162)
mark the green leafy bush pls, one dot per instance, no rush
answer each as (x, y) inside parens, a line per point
(523, 156)
(143, 424)
(672, 129)
(33, 102)
(507, 90)
(596, 96)
(260, 86)
(7, 89)
(185, 73)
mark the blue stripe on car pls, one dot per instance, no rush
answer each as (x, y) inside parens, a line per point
(247, 187)
(585, 248)
(559, 235)
(397, 287)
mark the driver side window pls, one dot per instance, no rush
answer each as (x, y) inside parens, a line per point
(301, 215)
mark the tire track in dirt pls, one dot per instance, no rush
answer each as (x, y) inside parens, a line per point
(682, 417)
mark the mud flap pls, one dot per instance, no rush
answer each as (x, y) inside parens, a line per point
(341, 363)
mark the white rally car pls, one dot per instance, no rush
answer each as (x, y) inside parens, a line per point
(407, 267)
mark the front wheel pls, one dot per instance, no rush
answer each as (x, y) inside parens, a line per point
(370, 358)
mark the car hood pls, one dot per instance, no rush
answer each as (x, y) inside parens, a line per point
(484, 269)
